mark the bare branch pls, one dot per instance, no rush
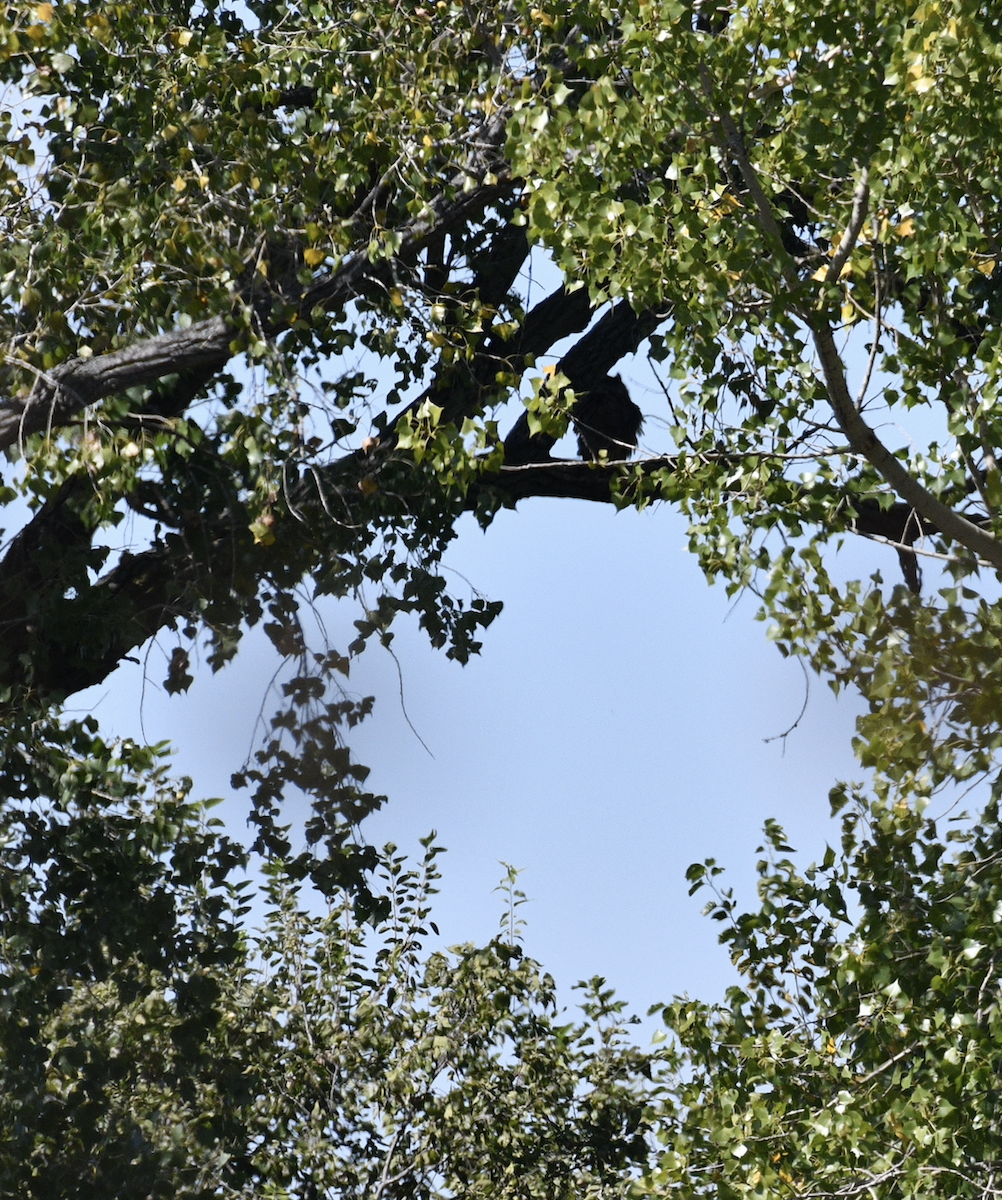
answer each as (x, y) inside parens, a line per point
(860, 200)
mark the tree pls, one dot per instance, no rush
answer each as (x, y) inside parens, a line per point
(150, 1046)
(795, 208)
(860, 1054)
(193, 193)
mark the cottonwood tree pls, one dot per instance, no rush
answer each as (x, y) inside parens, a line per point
(217, 219)
(265, 306)
(859, 1053)
(152, 1046)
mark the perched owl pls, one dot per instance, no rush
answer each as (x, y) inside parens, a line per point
(605, 418)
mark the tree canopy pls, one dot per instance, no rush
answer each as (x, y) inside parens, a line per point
(266, 313)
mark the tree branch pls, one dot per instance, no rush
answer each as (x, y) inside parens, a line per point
(618, 333)
(861, 437)
(205, 347)
(61, 644)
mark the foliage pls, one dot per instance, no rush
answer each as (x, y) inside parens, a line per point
(208, 208)
(115, 894)
(263, 304)
(861, 1053)
(150, 1047)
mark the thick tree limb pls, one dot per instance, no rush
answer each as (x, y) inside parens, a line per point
(91, 631)
(60, 395)
(60, 644)
(618, 333)
(83, 639)
(462, 389)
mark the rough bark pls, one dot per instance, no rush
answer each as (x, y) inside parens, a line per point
(59, 396)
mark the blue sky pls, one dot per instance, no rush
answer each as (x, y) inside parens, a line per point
(611, 732)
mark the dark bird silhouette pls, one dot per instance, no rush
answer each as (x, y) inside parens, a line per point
(607, 419)
(604, 418)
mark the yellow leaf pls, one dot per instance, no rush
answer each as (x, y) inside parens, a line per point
(261, 529)
(849, 313)
(44, 12)
(922, 85)
(36, 32)
(179, 184)
(395, 298)
(729, 201)
(314, 256)
(906, 228)
(183, 37)
(368, 486)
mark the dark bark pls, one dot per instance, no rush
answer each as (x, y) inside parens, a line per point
(619, 332)
(464, 390)
(63, 633)
(60, 645)
(205, 347)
